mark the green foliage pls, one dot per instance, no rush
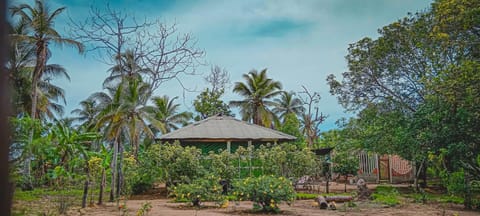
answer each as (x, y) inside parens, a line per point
(386, 195)
(179, 164)
(257, 90)
(291, 126)
(201, 189)
(304, 196)
(221, 164)
(288, 160)
(208, 103)
(267, 192)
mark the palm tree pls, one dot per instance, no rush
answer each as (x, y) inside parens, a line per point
(128, 66)
(87, 113)
(49, 95)
(124, 116)
(258, 90)
(286, 104)
(166, 111)
(40, 21)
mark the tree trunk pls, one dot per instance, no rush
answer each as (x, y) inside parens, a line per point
(416, 175)
(102, 186)
(37, 74)
(85, 187)
(346, 180)
(120, 173)
(467, 202)
(113, 167)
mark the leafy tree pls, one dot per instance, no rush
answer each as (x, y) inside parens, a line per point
(291, 126)
(414, 87)
(208, 103)
(258, 90)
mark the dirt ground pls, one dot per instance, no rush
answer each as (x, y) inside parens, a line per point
(162, 206)
(301, 207)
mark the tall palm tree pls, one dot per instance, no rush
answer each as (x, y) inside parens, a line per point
(166, 111)
(40, 22)
(41, 33)
(124, 117)
(258, 90)
(49, 96)
(286, 104)
(86, 113)
(128, 65)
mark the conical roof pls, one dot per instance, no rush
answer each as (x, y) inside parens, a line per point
(221, 128)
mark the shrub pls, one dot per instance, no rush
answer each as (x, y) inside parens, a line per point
(265, 191)
(201, 189)
(179, 164)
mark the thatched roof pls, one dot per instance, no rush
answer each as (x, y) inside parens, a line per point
(225, 128)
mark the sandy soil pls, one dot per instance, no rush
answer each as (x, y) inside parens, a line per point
(302, 207)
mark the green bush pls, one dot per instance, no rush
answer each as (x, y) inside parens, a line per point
(201, 189)
(179, 164)
(265, 191)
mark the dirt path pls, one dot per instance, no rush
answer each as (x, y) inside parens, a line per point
(302, 207)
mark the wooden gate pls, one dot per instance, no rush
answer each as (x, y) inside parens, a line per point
(384, 164)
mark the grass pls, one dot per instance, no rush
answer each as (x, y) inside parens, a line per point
(39, 193)
(305, 196)
(386, 195)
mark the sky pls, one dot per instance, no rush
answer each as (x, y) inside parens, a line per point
(300, 42)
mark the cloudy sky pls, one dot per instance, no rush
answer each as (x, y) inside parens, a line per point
(300, 42)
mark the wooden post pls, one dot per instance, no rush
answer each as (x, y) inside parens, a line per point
(390, 172)
(229, 147)
(377, 162)
(250, 158)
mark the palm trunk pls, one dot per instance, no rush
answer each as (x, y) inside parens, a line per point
(37, 73)
(85, 187)
(113, 168)
(102, 186)
(120, 173)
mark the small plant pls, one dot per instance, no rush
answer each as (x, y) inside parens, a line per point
(145, 209)
(202, 189)
(267, 192)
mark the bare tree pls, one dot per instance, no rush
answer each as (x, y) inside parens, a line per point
(311, 118)
(155, 46)
(152, 50)
(219, 78)
(167, 54)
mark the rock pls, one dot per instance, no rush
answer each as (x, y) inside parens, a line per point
(332, 205)
(363, 191)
